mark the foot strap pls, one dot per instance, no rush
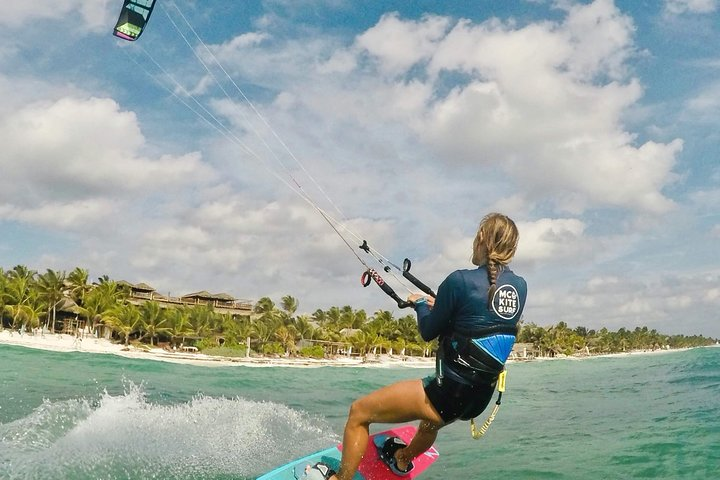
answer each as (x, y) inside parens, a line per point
(387, 455)
(319, 471)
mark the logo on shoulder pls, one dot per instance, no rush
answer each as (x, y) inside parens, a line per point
(506, 302)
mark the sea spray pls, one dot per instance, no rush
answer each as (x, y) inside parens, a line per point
(38, 431)
(125, 436)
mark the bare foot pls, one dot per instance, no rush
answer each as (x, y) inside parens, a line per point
(400, 460)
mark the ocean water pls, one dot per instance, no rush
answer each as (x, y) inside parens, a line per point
(90, 416)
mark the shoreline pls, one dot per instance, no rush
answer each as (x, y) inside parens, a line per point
(59, 342)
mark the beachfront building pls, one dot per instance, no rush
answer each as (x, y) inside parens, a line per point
(141, 291)
(67, 316)
(220, 302)
(523, 351)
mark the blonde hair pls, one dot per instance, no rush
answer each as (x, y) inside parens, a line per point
(495, 245)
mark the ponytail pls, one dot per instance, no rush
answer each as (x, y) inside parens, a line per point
(492, 271)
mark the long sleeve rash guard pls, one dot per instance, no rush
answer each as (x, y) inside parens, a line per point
(462, 304)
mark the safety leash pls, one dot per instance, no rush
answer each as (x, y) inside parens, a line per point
(477, 433)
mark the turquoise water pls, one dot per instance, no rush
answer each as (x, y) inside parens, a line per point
(89, 416)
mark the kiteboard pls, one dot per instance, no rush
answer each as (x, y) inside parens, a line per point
(371, 467)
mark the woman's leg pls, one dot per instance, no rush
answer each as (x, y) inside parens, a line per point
(400, 402)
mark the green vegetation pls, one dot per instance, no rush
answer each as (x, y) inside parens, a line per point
(560, 339)
(316, 351)
(225, 351)
(56, 301)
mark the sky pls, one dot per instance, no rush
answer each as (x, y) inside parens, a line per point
(197, 157)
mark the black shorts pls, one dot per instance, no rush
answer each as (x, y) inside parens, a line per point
(455, 400)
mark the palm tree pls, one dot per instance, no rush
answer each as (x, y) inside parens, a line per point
(236, 330)
(22, 272)
(204, 321)
(303, 327)
(407, 329)
(267, 321)
(289, 305)
(261, 332)
(24, 316)
(78, 285)
(361, 341)
(323, 333)
(333, 316)
(20, 298)
(382, 343)
(264, 306)
(19, 284)
(154, 321)
(3, 287)
(286, 336)
(398, 345)
(531, 333)
(51, 286)
(320, 318)
(350, 318)
(179, 324)
(387, 326)
(124, 319)
(100, 300)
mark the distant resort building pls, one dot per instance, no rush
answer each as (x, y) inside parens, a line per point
(220, 302)
(68, 313)
(524, 351)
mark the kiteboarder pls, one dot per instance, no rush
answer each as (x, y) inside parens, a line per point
(475, 317)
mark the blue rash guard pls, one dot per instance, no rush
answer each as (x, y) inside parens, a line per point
(468, 329)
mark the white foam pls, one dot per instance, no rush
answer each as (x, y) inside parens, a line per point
(125, 436)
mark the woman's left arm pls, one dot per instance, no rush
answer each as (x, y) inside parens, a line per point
(432, 322)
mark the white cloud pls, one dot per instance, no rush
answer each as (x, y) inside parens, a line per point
(240, 42)
(676, 7)
(712, 296)
(705, 104)
(537, 109)
(396, 45)
(541, 104)
(241, 244)
(705, 202)
(94, 14)
(601, 39)
(545, 241)
(620, 301)
(555, 240)
(85, 154)
(61, 215)
(634, 307)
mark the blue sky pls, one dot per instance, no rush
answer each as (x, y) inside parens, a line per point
(592, 124)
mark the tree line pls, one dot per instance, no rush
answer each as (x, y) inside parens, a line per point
(561, 339)
(30, 301)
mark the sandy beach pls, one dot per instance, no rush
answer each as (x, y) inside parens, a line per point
(89, 344)
(68, 343)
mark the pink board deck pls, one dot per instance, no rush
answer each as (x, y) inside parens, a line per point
(371, 467)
